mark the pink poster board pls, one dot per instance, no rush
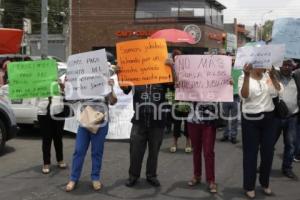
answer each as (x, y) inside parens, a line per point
(203, 78)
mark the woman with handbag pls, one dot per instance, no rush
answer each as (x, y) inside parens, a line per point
(256, 88)
(93, 129)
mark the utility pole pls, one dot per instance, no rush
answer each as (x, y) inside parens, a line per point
(44, 30)
(1, 13)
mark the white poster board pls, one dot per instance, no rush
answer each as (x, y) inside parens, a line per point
(203, 78)
(87, 75)
(71, 123)
(287, 31)
(264, 56)
(120, 115)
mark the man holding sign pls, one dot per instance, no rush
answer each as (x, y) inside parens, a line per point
(143, 71)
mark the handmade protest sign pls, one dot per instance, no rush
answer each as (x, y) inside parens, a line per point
(71, 123)
(236, 73)
(287, 31)
(204, 78)
(264, 56)
(87, 76)
(143, 62)
(31, 79)
(120, 114)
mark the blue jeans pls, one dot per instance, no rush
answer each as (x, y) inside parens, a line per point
(289, 129)
(230, 112)
(83, 140)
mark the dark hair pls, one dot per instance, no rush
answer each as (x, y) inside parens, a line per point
(5, 60)
(176, 52)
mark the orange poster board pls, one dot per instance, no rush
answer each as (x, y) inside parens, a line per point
(142, 62)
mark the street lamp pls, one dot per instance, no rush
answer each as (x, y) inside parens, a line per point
(262, 23)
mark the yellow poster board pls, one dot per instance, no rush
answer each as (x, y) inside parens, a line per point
(142, 62)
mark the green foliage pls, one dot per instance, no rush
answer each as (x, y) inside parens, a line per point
(267, 30)
(16, 10)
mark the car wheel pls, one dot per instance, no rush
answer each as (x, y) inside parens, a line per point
(2, 136)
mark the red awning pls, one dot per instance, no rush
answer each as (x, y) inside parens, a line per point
(10, 40)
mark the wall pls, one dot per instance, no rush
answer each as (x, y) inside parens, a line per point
(95, 22)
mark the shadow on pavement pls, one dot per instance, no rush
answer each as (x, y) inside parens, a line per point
(7, 150)
(141, 185)
(37, 170)
(183, 185)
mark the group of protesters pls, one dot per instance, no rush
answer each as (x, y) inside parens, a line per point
(262, 92)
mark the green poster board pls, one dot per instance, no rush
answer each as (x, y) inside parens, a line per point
(32, 79)
(236, 73)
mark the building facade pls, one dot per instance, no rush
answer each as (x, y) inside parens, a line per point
(240, 31)
(98, 24)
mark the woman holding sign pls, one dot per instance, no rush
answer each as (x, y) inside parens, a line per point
(94, 133)
(256, 88)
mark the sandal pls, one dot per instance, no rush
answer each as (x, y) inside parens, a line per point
(194, 181)
(62, 165)
(46, 169)
(173, 149)
(97, 185)
(70, 186)
(188, 149)
(213, 188)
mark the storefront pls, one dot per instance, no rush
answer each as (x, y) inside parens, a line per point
(101, 23)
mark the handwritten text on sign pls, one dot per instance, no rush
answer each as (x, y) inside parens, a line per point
(120, 114)
(264, 56)
(203, 78)
(287, 31)
(32, 79)
(143, 62)
(87, 75)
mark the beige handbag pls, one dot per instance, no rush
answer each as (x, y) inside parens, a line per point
(91, 119)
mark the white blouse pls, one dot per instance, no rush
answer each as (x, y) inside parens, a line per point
(260, 96)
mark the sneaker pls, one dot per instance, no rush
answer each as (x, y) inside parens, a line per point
(188, 149)
(195, 181)
(131, 182)
(46, 169)
(153, 181)
(250, 194)
(213, 188)
(289, 174)
(267, 191)
(62, 165)
(173, 149)
(296, 159)
(224, 139)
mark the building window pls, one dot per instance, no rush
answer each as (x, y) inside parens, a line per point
(149, 9)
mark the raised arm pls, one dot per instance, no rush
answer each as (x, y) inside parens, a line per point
(245, 88)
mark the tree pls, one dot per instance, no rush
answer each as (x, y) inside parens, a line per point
(16, 10)
(267, 30)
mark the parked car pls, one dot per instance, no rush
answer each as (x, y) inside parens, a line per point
(8, 125)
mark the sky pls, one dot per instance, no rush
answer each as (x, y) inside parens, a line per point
(250, 12)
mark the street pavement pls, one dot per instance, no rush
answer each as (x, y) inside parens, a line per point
(21, 177)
